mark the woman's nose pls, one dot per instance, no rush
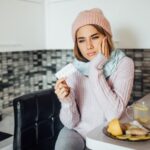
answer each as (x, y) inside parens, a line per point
(89, 44)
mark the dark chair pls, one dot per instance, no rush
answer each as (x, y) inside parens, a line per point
(37, 121)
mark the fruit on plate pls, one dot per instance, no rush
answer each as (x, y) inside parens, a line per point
(114, 127)
(139, 137)
(125, 126)
(123, 137)
(136, 131)
(133, 138)
(131, 131)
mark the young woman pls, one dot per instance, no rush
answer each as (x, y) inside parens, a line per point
(100, 88)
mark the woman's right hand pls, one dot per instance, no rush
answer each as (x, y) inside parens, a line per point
(62, 90)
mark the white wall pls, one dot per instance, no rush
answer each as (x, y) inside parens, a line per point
(22, 25)
(46, 24)
(129, 20)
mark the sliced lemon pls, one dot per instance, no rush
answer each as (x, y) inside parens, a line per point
(114, 127)
(123, 137)
(140, 137)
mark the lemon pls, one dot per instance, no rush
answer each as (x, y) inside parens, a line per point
(123, 137)
(114, 127)
(139, 137)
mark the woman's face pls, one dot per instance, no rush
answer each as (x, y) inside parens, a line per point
(89, 41)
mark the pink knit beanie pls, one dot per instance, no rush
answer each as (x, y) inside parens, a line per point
(93, 16)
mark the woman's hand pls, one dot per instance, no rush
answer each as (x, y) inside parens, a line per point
(61, 89)
(104, 48)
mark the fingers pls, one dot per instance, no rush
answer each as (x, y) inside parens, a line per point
(105, 48)
(61, 88)
(62, 80)
(63, 92)
(100, 46)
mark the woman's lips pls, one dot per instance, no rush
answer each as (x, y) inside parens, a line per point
(91, 54)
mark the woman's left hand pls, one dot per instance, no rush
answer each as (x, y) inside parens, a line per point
(104, 48)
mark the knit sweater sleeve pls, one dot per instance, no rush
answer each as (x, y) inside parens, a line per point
(112, 100)
(69, 114)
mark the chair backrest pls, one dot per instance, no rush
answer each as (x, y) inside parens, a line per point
(37, 121)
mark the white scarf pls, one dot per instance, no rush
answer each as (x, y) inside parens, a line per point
(108, 68)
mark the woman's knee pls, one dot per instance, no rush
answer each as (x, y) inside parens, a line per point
(67, 145)
(69, 140)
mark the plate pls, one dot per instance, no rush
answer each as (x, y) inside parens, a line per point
(125, 137)
(146, 125)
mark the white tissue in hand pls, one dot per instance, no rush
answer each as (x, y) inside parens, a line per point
(65, 71)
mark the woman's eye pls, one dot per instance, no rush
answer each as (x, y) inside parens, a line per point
(81, 41)
(95, 37)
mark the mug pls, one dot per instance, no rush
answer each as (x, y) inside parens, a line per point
(139, 111)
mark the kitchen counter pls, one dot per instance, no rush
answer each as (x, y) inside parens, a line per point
(97, 140)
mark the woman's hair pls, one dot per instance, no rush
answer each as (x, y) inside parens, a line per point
(77, 52)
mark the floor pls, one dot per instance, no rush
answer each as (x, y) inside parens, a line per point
(7, 123)
(7, 126)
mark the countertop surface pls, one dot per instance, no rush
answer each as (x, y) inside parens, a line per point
(97, 140)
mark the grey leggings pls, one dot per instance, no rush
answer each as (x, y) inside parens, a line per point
(69, 139)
